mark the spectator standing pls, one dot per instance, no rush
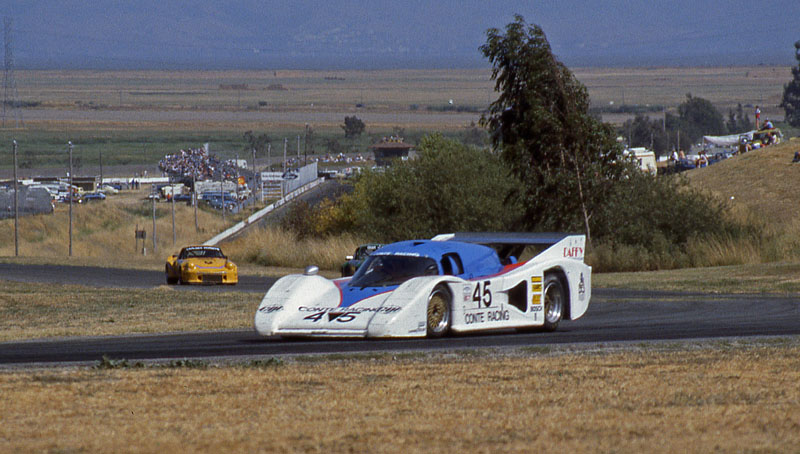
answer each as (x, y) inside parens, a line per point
(758, 116)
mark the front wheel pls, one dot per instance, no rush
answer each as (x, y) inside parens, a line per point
(170, 280)
(439, 312)
(554, 300)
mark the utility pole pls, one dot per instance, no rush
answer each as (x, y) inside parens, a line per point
(71, 196)
(305, 147)
(101, 168)
(153, 196)
(194, 200)
(222, 190)
(173, 214)
(16, 204)
(283, 182)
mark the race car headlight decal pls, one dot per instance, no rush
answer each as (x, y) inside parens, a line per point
(190, 266)
(230, 265)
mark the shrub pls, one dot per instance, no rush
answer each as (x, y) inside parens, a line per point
(449, 187)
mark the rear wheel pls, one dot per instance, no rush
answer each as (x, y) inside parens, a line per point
(439, 311)
(554, 301)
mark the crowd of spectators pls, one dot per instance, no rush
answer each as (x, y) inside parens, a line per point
(199, 163)
(341, 157)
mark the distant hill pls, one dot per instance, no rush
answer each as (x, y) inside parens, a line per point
(766, 182)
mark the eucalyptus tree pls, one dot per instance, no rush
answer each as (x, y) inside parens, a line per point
(566, 160)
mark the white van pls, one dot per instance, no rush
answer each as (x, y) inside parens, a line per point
(644, 158)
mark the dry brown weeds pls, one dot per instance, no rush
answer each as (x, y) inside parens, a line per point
(30, 311)
(706, 400)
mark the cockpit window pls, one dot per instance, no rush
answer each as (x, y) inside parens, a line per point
(385, 270)
(451, 264)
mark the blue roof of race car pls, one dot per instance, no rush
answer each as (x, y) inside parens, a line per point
(478, 260)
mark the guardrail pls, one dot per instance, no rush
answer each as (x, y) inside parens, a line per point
(255, 217)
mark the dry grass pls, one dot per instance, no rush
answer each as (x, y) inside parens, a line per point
(764, 181)
(103, 235)
(105, 230)
(272, 246)
(725, 87)
(693, 400)
(761, 188)
(778, 277)
(404, 93)
(29, 311)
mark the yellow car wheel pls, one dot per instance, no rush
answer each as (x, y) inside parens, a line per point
(170, 280)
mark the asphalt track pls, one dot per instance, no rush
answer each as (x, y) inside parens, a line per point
(613, 316)
(92, 276)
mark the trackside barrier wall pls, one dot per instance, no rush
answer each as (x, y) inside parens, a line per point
(261, 213)
(305, 175)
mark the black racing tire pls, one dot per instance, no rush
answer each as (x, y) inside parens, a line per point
(170, 280)
(555, 300)
(439, 314)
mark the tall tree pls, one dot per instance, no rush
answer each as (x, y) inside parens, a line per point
(791, 93)
(644, 132)
(353, 127)
(738, 121)
(698, 117)
(255, 142)
(541, 125)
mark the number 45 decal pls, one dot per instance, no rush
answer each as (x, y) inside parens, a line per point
(484, 297)
(341, 317)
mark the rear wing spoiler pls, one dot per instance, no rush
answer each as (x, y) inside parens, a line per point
(511, 243)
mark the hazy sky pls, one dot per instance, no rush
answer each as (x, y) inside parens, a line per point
(382, 33)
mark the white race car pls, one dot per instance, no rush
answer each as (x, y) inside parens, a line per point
(455, 283)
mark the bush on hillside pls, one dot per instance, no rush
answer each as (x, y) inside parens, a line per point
(449, 187)
(661, 223)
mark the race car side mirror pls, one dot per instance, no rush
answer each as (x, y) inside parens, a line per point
(311, 270)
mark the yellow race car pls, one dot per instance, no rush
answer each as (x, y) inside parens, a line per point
(200, 265)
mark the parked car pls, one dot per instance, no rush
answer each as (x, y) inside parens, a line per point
(64, 198)
(93, 196)
(217, 203)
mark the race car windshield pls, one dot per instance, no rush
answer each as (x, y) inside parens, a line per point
(385, 270)
(206, 253)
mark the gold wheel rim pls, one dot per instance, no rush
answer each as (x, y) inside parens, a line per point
(437, 312)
